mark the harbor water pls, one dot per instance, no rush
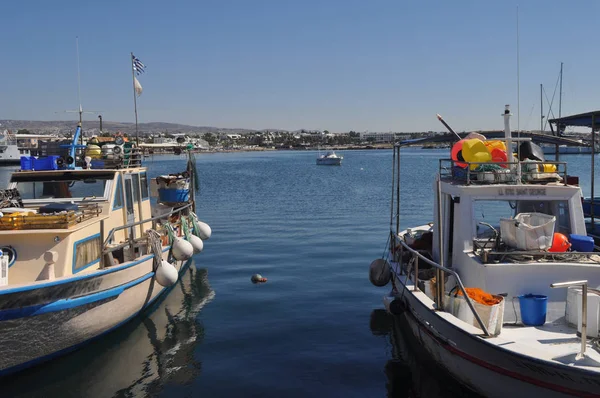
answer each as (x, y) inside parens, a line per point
(315, 328)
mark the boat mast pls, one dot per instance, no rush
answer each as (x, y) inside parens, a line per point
(541, 108)
(560, 92)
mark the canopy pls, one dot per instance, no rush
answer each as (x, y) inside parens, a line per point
(582, 120)
(535, 137)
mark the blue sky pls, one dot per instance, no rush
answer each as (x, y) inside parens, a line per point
(338, 65)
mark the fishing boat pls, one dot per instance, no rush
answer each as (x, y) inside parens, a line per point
(84, 250)
(329, 159)
(10, 151)
(502, 289)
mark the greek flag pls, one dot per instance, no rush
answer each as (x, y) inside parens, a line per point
(138, 66)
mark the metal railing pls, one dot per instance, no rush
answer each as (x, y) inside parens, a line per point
(439, 300)
(512, 172)
(584, 290)
(130, 241)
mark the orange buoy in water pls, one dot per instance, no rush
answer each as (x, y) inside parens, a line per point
(560, 243)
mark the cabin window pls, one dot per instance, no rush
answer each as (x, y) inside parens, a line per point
(118, 202)
(129, 197)
(136, 187)
(491, 211)
(62, 186)
(144, 186)
(87, 252)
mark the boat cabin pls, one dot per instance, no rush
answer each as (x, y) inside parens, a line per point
(70, 212)
(483, 241)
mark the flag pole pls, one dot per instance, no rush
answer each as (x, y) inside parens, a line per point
(137, 139)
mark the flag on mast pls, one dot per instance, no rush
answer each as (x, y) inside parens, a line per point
(138, 86)
(138, 66)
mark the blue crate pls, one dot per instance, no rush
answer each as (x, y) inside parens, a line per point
(173, 195)
(27, 162)
(47, 163)
(581, 243)
(97, 164)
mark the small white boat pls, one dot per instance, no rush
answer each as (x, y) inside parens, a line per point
(83, 250)
(330, 159)
(533, 327)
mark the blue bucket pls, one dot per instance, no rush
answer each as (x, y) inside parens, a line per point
(533, 309)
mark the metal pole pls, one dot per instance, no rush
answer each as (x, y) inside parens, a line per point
(137, 139)
(583, 318)
(541, 109)
(439, 276)
(393, 241)
(398, 193)
(416, 281)
(593, 161)
(100, 117)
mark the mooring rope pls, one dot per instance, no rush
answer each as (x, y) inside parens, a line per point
(154, 241)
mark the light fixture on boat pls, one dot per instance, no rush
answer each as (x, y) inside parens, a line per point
(88, 162)
(166, 274)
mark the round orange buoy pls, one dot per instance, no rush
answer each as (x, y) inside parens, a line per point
(456, 148)
(560, 243)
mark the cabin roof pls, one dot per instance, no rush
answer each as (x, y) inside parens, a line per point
(535, 137)
(581, 119)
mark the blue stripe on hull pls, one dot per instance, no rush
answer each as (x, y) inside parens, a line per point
(67, 350)
(66, 304)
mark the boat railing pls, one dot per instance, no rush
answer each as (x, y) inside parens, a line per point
(131, 240)
(439, 296)
(489, 251)
(518, 172)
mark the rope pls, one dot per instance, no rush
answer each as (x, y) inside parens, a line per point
(154, 241)
(185, 228)
(170, 232)
(195, 224)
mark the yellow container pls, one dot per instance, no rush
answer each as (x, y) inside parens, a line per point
(474, 150)
(93, 151)
(493, 144)
(547, 168)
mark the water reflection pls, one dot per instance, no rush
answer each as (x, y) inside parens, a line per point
(410, 372)
(137, 360)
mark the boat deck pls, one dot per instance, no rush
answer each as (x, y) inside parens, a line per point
(553, 342)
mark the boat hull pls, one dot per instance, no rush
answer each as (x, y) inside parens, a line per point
(488, 369)
(77, 313)
(329, 162)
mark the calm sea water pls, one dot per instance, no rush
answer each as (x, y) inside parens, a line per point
(314, 329)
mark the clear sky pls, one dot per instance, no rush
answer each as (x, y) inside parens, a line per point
(340, 65)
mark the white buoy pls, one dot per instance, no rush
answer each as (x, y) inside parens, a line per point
(204, 230)
(166, 275)
(182, 249)
(197, 243)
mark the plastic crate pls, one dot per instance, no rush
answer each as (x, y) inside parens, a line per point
(27, 162)
(47, 163)
(173, 195)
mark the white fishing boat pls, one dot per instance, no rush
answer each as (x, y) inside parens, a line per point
(10, 151)
(329, 159)
(83, 249)
(489, 288)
